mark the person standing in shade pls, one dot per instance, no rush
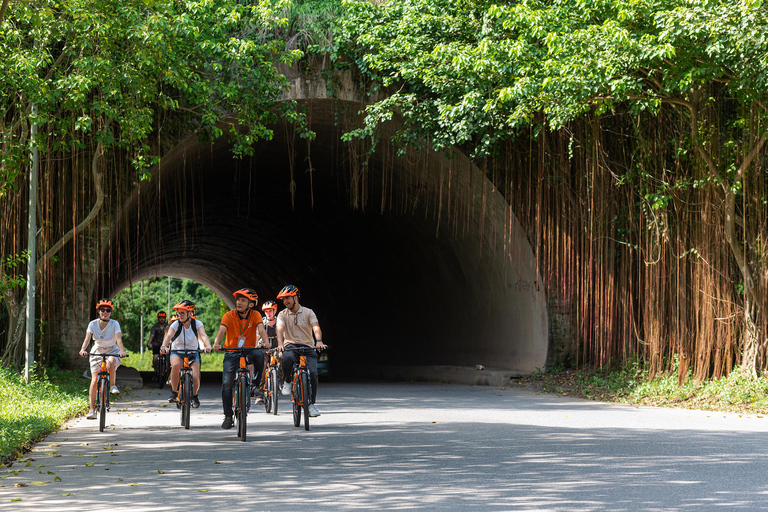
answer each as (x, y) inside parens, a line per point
(155, 341)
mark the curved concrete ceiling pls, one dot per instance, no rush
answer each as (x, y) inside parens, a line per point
(400, 287)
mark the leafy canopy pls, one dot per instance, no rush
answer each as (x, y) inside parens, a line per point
(475, 72)
(115, 71)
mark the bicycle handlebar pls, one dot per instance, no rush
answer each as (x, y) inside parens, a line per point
(300, 347)
(104, 356)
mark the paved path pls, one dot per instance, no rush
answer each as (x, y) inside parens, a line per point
(401, 446)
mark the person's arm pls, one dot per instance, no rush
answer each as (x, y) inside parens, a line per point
(86, 342)
(204, 338)
(280, 337)
(318, 336)
(151, 339)
(119, 340)
(167, 340)
(262, 334)
(219, 336)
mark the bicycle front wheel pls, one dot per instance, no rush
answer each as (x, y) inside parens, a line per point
(268, 392)
(296, 399)
(305, 398)
(162, 375)
(103, 397)
(274, 390)
(187, 394)
(242, 421)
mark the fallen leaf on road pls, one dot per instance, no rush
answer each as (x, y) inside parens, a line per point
(15, 499)
(133, 485)
(161, 471)
(216, 462)
(57, 479)
(68, 494)
(119, 479)
(202, 490)
(21, 484)
(88, 464)
(41, 482)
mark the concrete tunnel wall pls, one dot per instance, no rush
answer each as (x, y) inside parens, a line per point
(388, 288)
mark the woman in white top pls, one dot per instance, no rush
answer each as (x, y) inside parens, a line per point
(186, 333)
(107, 339)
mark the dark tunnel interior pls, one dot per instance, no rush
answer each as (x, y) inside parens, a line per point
(384, 285)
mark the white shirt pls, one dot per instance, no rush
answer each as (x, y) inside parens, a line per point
(104, 338)
(187, 339)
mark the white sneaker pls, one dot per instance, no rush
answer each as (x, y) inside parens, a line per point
(313, 412)
(115, 391)
(91, 415)
(286, 388)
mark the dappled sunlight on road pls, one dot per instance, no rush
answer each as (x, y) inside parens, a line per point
(401, 447)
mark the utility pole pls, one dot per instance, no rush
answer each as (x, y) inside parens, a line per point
(29, 357)
(141, 336)
(169, 298)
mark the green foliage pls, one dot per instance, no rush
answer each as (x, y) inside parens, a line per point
(476, 72)
(30, 411)
(9, 279)
(740, 391)
(109, 70)
(129, 306)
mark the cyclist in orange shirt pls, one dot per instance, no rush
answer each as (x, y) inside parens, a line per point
(241, 327)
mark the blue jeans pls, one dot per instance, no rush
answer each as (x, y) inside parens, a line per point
(291, 356)
(231, 365)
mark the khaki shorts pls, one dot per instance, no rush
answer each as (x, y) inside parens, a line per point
(96, 361)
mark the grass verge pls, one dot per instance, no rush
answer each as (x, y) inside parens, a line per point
(29, 412)
(143, 362)
(738, 392)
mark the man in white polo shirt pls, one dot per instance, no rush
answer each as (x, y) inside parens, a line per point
(296, 326)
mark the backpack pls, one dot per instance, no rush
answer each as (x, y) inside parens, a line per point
(192, 325)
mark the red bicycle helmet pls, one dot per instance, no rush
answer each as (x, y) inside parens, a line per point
(185, 305)
(288, 291)
(270, 304)
(161, 314)
(105, 303)
(248, 294)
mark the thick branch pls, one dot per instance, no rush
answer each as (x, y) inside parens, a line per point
(3, 9)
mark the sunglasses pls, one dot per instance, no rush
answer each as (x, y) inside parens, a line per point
(105, 310)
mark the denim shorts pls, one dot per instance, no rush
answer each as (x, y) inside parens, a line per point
(193, 358)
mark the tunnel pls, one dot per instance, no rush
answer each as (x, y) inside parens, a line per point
(407, 260)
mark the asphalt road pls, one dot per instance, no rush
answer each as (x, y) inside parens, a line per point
(400, 447)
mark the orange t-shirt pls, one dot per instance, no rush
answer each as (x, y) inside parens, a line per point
(241, 328)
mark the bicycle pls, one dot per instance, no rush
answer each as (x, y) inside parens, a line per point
(271, 383)
(102, 388)
(186, 387)
(301, 387)
(242, 391)
(163, 369)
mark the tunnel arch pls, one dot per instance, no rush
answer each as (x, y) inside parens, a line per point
(437, 273)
